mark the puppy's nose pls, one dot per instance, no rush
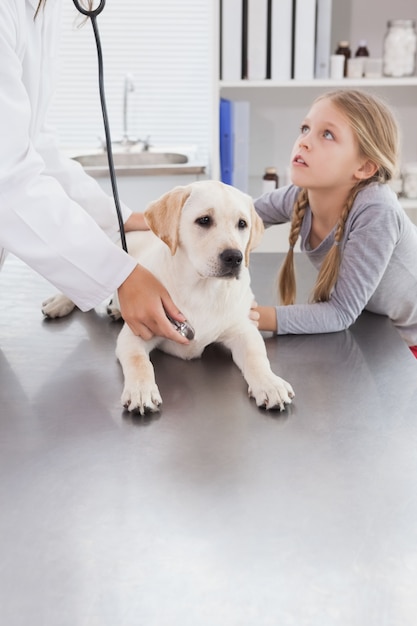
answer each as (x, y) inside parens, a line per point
(231, 258)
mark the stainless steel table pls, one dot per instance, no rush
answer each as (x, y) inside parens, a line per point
(214, 513)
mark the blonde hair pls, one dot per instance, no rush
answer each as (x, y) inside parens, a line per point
(377, 134)
(38, 8)
(88, 3)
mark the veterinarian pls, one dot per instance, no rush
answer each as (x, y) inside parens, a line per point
(54, 216)
(350, 223)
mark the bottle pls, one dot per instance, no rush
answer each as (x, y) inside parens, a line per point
(400, 45)
(362, 50)
(358, 63)
(269, 180)
(343, 48)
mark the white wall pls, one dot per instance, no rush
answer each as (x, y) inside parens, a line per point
(368, 20)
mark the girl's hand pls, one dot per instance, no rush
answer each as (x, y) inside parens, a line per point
(264, 317)
(254, 314)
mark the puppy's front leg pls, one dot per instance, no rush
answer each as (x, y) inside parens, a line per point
(249, 353)
(57, 306)
(140, 393)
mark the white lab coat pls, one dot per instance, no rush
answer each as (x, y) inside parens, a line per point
(52, 215)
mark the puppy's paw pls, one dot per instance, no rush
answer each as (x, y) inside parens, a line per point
(113, 311)
(272, 392)
(57, 306)
(141, 398)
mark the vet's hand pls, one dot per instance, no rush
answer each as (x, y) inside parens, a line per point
(143, 302)
(254, 314)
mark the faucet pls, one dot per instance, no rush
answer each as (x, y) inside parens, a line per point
(127, 141)
(129, 86)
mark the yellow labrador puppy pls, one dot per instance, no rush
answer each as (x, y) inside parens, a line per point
(198, 246)
(199, 249)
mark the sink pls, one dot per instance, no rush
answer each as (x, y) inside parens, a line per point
(135, 163)
(132, 159)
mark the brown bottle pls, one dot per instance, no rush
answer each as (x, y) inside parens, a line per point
(343, 48)
(362, 50)
(269, 179)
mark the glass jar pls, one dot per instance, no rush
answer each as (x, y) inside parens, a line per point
(400, 45)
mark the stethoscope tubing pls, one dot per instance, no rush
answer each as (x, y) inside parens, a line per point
(92, 14)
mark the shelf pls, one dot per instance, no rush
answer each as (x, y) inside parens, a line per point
(345, 82)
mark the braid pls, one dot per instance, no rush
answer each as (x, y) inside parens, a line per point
(329, 270)
(287, 289)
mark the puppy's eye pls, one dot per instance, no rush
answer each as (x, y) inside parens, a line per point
(242, 224)
(204, 221)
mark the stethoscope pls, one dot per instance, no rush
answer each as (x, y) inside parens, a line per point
(92, 14)
(184, 328)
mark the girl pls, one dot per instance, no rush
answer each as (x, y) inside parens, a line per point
(52, 215)
(352, 226)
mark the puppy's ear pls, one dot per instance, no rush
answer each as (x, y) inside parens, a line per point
(163, 215)
(257, 230)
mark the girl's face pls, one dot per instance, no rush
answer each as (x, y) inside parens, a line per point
(326, 153)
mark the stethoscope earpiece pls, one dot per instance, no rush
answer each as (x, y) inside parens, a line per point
(90, 12)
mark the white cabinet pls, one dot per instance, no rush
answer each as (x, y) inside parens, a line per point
(138, 191)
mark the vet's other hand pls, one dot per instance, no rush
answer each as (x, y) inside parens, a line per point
(254, 314)
(143, 302)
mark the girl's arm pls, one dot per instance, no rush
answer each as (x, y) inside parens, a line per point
(369, 241)
(275, 207)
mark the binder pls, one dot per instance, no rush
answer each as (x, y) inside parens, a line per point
(231, 40)
(323, 39)
(241, 140)
(226, 141)
(282, 31)
(257, 29)
(304, 39)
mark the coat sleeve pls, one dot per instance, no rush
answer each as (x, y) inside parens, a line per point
(40, 222)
